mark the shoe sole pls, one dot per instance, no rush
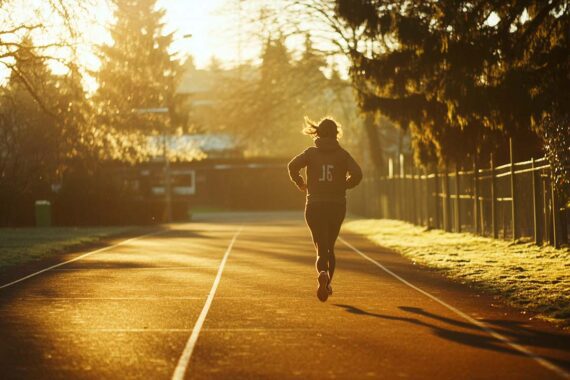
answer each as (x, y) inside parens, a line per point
(322, 291)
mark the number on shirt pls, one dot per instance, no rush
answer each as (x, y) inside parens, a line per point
(326, 174)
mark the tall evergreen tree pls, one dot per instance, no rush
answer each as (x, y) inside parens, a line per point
(310, 81)
(311, 61)
(274, 100)
(137, 72)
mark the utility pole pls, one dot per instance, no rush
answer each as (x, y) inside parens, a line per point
(166, 168)
(165, 154)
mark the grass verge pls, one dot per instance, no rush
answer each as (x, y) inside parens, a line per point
(23, 245)
(535, 279)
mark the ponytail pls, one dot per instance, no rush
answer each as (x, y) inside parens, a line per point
(327, 127)
(311, 128)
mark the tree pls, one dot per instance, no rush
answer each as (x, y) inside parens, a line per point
(460, 81)
(258, 104)
(317, 21)
(31, 136)
(137, 72)
(36, 140)
(264, 106)
(57, 22)
(275, 100)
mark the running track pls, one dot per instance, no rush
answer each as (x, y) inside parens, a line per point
(232, 296)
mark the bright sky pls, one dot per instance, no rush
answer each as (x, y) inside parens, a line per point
(209, 22)
(213, 24)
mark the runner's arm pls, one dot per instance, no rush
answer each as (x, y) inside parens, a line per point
(354, 173)
(295, 166)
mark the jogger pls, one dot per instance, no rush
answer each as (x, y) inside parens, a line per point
(330, 171)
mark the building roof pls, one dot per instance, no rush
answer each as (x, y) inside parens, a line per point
(213, 145)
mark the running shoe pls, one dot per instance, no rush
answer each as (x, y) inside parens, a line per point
(322, 291)
(329, 289)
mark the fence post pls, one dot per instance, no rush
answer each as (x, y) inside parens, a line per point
(563, 219)
(494, 201)
(535, 206)
(390, 200)
(555, 215)
(457, 201)
(417, 197)
(513, 192)
(396, 191)
(447, 205)
(420, 186)
(381, 195)
(414, 210)
(547, 205)
(401, 189)
(476, 196)
(436, 198)
(427, 197)
(379, 187)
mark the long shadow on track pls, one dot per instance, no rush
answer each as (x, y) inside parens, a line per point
(521, 335)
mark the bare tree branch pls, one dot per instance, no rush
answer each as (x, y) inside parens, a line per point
(20, 27)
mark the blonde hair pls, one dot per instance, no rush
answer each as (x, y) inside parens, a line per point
(326, 127)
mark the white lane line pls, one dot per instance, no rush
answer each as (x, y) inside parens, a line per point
(158, 298)
(47, 298)
(80, 257)
(523, 350)
(184, 360)
(138, 268)
(141, 330)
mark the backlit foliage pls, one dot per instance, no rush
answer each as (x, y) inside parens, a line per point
(137, 74)
(462, 75)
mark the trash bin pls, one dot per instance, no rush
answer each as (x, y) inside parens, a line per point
(43, 214)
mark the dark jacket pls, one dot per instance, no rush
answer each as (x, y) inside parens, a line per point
(330, 171)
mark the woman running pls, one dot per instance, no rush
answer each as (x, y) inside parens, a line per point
(330, 171)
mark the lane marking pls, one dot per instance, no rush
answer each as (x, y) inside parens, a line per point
(523, 350)
(184, 360)
(47, 298)
(143, 330)
(80, 257)
(139, 268)
(157, 298)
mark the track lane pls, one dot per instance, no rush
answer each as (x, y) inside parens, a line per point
(124, 312)
(128, 313)
(267, 323)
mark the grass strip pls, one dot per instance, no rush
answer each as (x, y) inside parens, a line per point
(23, 245)
(535, 279)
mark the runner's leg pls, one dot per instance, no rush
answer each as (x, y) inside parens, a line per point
(315, 215)
(337, 215)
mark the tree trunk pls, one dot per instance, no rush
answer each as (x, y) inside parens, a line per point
(374, 144)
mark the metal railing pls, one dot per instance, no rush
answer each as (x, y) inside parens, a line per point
(515, 200)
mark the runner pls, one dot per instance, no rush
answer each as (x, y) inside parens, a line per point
(330, 171)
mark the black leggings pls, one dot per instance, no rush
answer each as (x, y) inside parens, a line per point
(324, 219)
